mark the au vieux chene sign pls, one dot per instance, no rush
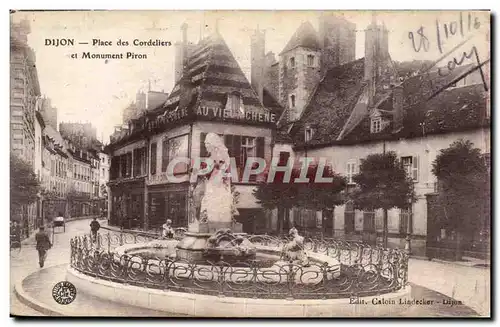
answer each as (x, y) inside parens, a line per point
(212, 112)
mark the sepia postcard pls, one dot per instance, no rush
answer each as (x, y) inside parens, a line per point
(250, 164)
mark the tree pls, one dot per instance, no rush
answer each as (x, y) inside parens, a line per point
(311, 195)
(382, 183)
(464, 189)
(24, 184)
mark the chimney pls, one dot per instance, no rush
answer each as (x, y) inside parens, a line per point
(257, 55)
(397, 107)
(181, 54)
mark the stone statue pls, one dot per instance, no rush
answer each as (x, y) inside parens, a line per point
(168, 231)
(217, 201)
(294, 251)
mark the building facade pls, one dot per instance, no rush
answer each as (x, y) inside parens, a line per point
(24, 92)
(212, 96)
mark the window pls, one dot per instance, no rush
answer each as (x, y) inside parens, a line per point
(234, 103)
(310, 60)
(292, 101)
(164, 155)
(308, 133)
(283, 158)
(292, 62)
(376, 125)
(351, 171)
(153, 158)
(248, 149)
(410, 165)
(178, 147)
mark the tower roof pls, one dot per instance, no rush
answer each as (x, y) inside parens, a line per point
(305, 36)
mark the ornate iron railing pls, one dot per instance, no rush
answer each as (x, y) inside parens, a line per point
(361, 270)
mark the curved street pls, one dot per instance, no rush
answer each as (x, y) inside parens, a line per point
(429, 279)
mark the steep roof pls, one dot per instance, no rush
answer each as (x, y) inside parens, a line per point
(332, 103)
(454, 109)
(305, 36)
(211, 74)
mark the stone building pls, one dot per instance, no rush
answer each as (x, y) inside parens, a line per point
(211, 95)
(24, 92)
(366, 106)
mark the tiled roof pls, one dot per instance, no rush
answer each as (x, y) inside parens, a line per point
(271, 103)
(332, 103)
(305, 36)
(445, 111)
(211, 74)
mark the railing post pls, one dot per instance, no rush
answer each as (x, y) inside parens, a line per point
(109, 242)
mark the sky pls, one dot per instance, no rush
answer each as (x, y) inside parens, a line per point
(96, 91)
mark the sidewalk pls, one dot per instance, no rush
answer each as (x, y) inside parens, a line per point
(36, 290)
(468, 284)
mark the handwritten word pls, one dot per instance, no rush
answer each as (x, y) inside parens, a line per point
(450, 29)
(424, 41)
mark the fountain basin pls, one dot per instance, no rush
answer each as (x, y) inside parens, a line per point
(159, 258)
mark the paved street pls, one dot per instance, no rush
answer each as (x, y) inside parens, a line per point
(444, 278)
(26, 262)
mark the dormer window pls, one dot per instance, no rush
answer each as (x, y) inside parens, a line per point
(235, 103)
(308, 133)
(376, 124)
(292, 101)
(310, 60)
(292, 62)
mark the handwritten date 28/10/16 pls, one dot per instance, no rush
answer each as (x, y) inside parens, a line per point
(444, 31)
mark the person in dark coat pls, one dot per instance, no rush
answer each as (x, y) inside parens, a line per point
(94, 227)
(43, 244)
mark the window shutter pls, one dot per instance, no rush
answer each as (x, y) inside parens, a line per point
(203, 149)
(261, 147)
(164, 156)
(228, 142)
(237, 150)
(415, 168)
(153, 159)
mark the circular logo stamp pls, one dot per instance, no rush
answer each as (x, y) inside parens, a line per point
(64, 292)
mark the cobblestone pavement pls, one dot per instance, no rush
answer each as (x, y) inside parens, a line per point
(431, 281)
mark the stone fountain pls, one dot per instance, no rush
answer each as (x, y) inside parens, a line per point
(212, 231)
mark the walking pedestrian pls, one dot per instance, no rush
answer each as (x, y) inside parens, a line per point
(43, 244)
(94, 228)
